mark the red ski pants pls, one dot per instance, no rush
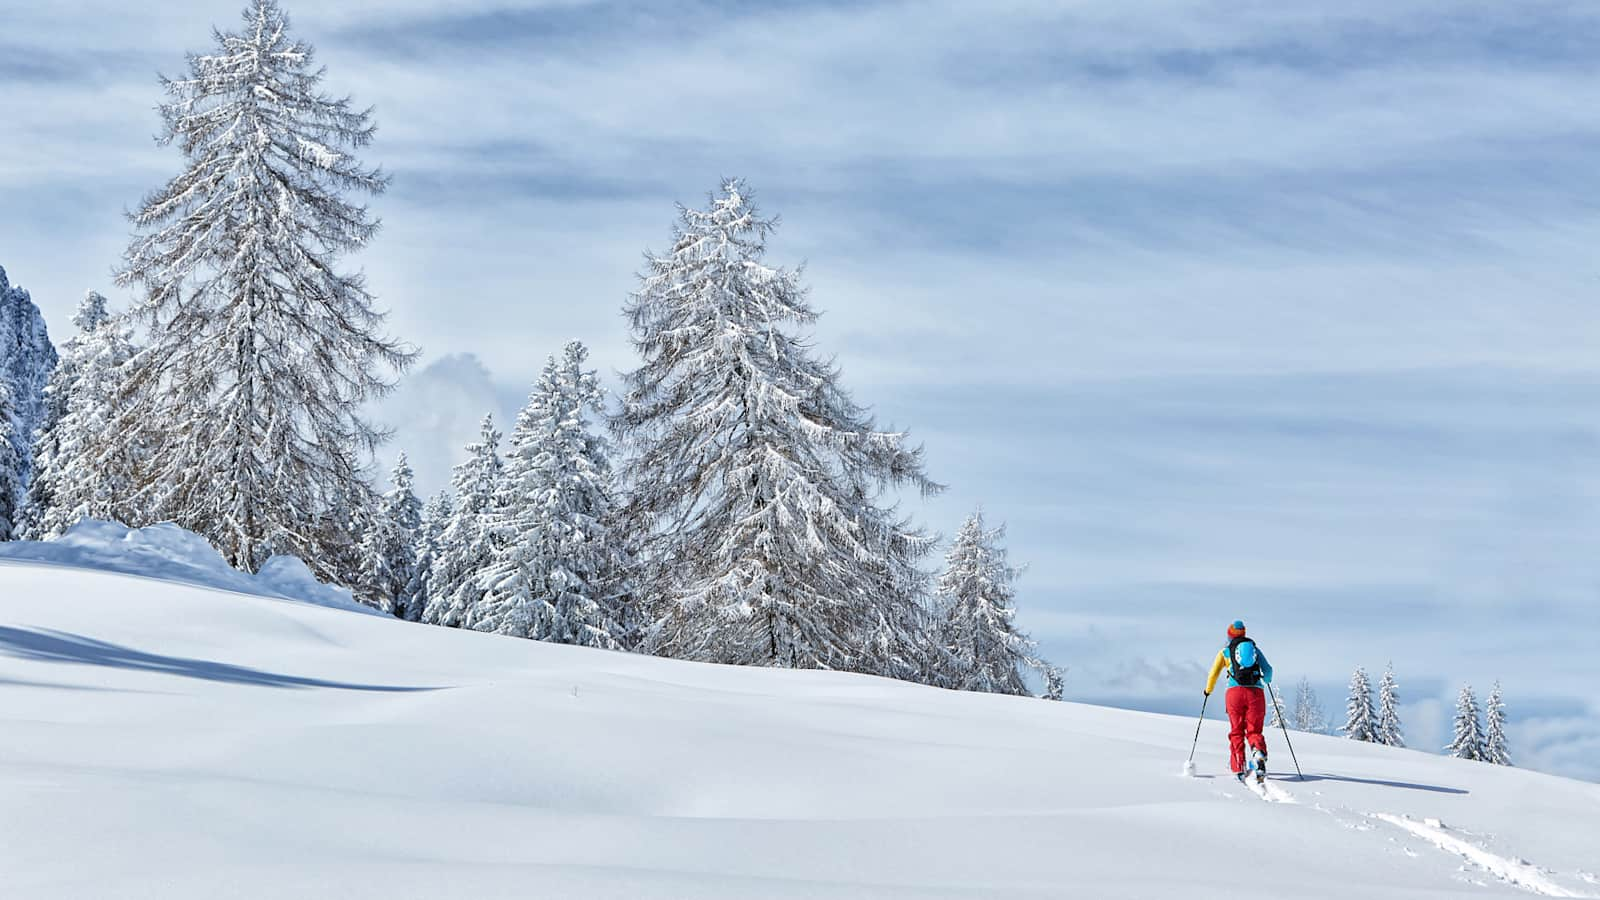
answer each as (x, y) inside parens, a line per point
(1247, 711)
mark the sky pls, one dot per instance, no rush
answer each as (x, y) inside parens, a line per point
(1273, 310)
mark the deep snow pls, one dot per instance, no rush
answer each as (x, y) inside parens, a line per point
(162, 740)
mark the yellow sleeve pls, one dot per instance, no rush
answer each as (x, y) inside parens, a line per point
(1216, 669)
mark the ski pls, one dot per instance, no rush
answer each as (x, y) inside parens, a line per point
(1255, 778)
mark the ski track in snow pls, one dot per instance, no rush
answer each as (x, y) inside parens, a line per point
(1517, 872)
(1276, 792)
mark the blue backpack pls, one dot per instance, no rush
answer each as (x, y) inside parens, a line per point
(1244, 663)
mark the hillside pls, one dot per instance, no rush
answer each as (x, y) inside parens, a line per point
(165, 740)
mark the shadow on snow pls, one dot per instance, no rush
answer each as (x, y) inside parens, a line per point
(1437, 789)
(63, 647)
(1348, 779)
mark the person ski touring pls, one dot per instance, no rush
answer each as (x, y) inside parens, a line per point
(1248, 675)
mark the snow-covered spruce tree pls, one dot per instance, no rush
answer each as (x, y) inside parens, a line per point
(83, 467)
(980, 644)
(27, 359)
(1494, 740)
(756, 480)
(454, 584)
(556, 566)
(1467, 742)
(1389, 730)
(261, 352)
(436, 515)
(1360, 723)
(1308, 714)
(389, 544)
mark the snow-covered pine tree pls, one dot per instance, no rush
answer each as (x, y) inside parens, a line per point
(1280, 716)
(1360, 723)
(339, 530)
(91, 313)
(1055, 683)
(1467, 742)
(454, 585)
(27, 359)
(1308, 714)
(436, 515)
(981, 646)
(757, 481)
(13, 488)
(261, 352)
(1494, 740)
(83, 467)
(556, 570)
(389, 546)
(1389, 730)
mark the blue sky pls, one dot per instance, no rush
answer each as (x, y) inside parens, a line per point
(1276, 310)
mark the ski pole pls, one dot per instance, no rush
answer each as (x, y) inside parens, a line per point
(1285, 728)
(1190, 764)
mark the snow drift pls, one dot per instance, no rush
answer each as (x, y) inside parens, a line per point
(170, 553)
(168, 741)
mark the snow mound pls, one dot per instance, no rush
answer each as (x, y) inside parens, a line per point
(170, 553)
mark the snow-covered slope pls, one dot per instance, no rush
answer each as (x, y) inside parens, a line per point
(169, 741)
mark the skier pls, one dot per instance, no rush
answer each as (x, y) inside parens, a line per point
(1248, 674)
